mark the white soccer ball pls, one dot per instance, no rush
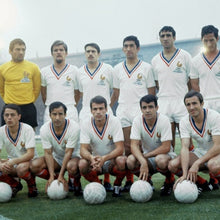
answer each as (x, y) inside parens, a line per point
(5, 192)
(186, 192)
(94, 193)
(141, 191)
(56, 190)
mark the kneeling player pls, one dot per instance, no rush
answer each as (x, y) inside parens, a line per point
(102, 145)
(19, 140)
(154, 132)
(202, 125)
(60, 141)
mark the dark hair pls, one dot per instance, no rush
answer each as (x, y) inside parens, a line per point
(96, 46)
(16, 41)
(58, 43)
(98, 100)
(57, 105)
(209, 29)
(167, 29)
(132, 38)
(192, 93)
(12, 106)
(149, 98)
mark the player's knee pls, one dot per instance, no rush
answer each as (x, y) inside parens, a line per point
(36, 165)
(120, 162)
(22, 169)
(213, 166)
(83, 166)
(72, 167)
(131, 162)
(161, 161)
(173, 166)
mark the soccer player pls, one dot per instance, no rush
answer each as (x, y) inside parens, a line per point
(59, 138)
(59, 82)
(171, 69)
(20, 83)
(102, 145)
(153, 130)
(95, 78)
(202, 125)
(205, 74)
(133, 79)
(19, 141)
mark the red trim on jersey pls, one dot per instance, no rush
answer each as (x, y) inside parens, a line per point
(130, 73)
(202, 131)
(210, 64)
(56, 74)
(92, 75)
(63, 134)
(152, 131)
(169, 62)
(102, 133)
(14, 142)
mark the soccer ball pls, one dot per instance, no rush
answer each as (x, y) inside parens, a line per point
(94, 193)
(56, 190)
(141, 191)
(5, 192)
(186, 192)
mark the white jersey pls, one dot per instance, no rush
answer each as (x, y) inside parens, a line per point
(203, 137)
(60, 86)
(25, 139)
(97, 83)
(101, 143)
(133, 84)
(68, 139)
(172, 75)
(208, 74)
(151, 138)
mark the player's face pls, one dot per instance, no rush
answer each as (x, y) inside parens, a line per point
(130, 49)
(18, 53)
(91, 54)
(194, 107)
(167, 39)
(11, 117)
(210, 42)
(149, 110)
(58, 116)
(98, 111)
(59, 54)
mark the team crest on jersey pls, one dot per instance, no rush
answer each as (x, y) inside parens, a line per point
(110, 137)
(210, 135)
(102, 80)
(179, 67)
(65, 141)
(26, 77)
(139, 79)
(22, 144)
(68, 81)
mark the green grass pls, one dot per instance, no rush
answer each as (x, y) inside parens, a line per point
(21, 207)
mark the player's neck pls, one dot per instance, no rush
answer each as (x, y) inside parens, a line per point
(100, 123)
(168, 52)
(59, 66)
(59, 129)
(13, 130)
(92, 65)
(151, 122)
(132, 61)
(210, 55)
(199, 119)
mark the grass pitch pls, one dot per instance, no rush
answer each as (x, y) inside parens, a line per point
(41, 208)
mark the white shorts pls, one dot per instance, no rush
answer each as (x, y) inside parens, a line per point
(174, 109)
(212, 104)
(85, 113)
(126, 114)
(71, 113)
(199, 152)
